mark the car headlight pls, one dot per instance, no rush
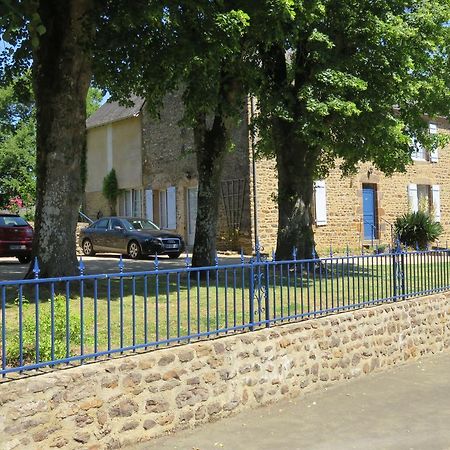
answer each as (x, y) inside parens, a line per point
(154, 240)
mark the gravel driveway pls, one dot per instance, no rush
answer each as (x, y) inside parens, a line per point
(11, 269)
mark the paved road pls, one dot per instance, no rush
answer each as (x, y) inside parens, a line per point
(407, 407)
(11, 269)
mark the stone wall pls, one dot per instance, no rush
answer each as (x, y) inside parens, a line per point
(95, 203)
(266, 203)
(80, 226)
(112, 404)
(169, 159)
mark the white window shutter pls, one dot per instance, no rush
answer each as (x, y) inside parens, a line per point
(436, 192)
(434, 155)
(171, 208)
(149, 204)
(413, 198)
(321, 202)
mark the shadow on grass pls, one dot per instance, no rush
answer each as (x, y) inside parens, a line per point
(165, 285)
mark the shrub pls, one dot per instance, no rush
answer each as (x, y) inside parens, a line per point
(111, 190)
(417, 229)
(45, 341)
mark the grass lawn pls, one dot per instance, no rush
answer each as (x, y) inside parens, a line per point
(113, 313)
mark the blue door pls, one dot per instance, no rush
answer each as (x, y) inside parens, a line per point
(369, 212)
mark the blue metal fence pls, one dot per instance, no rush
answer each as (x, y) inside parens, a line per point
(68, 320)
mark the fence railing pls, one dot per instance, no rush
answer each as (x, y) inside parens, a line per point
(66, 320)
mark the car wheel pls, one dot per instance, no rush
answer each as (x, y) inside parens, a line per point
(88, 248)
(134, 250)
(24, 259)
(174, 255)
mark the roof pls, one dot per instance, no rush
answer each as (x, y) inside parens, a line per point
(113, 111)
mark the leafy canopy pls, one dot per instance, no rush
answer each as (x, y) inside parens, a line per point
(159, 47)
(354, 78)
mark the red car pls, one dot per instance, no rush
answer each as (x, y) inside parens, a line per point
(16, 237)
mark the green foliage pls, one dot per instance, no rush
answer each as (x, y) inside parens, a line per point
(417, 229)
(93, 100)
(45, 329)
(335, 71)
(17, 164)
(29, 215)
(345, 82)
(111, 190)
(18, 140)
(16, 105)
(159, 47)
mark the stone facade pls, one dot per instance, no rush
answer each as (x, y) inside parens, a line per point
(167, 160)
(115, 145)
(344, 200)
(113, 404)
(152, 154)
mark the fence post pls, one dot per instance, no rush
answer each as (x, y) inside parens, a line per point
(398, 265)
(266, 292)
(251, 295)
(36, 271)
(81, 268)
(402, 273)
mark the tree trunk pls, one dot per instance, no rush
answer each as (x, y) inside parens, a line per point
(210, 147)
(61, 75)
(295, 164)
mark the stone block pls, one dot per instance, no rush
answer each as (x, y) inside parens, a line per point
(156, 405)
(166, 359)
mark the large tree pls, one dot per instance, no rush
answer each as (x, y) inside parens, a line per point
(345, 81)
(54, 38)
(194, 47)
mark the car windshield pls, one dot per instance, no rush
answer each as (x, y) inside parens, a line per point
(140, 224)
(12, 221)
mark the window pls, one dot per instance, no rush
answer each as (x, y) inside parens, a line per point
(420, 153)
(116, 223)
(130, 203)
(426, 198)
(102, 224)
(12, 221)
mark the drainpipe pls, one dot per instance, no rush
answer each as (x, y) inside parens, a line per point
(255, 208)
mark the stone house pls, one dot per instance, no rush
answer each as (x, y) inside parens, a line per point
(157, 173)
(156, 170)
